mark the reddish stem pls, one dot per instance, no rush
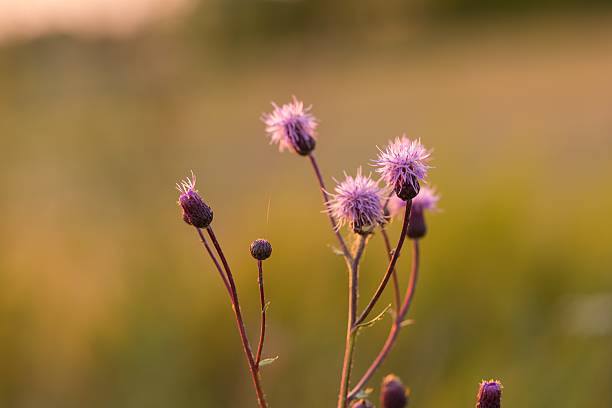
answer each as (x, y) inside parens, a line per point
(396, 288)
(397, 324)
(390, 268)
(262, 298)
(254, 369)
(214, 259)
(349, 347)
(333, 221)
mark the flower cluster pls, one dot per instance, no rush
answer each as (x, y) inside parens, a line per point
(363, 204)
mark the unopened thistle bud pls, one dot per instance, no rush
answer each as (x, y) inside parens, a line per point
(195, 210)
(489, 394)
(393, 394)
(362, 404)
(292, 127)
(357, 202)
(261, 249)
(402, 164)
(426, 200)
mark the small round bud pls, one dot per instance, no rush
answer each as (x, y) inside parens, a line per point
(393, 393)
(261, 249)
(362, 404)
(489, 394)
(195, 211)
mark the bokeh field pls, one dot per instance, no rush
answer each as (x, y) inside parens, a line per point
(108, 300)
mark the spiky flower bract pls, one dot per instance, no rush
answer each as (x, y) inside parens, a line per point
(195, 211)
(393, 394)
(402, 164)
(489, 394)
(357, 202)
(292, 127)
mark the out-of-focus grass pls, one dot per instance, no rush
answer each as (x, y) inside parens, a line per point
(107, 299)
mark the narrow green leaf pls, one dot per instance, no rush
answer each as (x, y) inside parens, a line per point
(364, 394)
(336, 251)
(267, 361)
(375, 319)
(406, 322)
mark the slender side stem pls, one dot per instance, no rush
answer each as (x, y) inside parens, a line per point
(214, 259)
(261, 399)
(396, 288)
(262, 298)
(351, 333)
(390, 268)
(333, 221)
(397, 324)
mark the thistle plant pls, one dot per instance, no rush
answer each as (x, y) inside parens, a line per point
(359, 207)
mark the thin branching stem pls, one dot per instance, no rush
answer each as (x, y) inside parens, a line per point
(214, 259)
(397, 324)
(396, 288)
(390, 268)
(262, 298)
(254, 369)
(352, 316)
(334, 222)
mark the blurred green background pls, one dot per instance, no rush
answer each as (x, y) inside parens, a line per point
(107, 298)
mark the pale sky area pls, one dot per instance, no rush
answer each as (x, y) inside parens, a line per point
(33, 18)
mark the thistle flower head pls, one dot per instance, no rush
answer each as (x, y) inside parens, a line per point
(292, 127)
(357, 202)
(261, 249)
(393, 394)
(195, 211)
(489, 394)
(402, 164)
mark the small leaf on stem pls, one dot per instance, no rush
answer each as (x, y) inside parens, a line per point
(363, 394)
(375, 319)
(406, 322)
(267, 361)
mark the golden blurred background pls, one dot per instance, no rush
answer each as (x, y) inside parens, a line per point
(107, 298)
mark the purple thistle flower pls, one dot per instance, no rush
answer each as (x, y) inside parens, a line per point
(393, 394)
(195, 211)
(402, 164)
(292, 127)
(358, 203)
(489, 394)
